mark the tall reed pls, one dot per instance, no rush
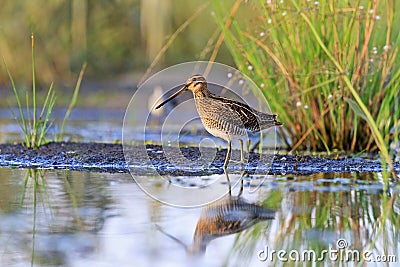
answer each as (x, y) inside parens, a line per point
(330, 69)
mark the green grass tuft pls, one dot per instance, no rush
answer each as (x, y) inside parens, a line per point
(36, 128)
(330, 69)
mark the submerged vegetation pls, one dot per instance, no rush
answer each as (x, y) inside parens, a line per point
(330, 69)
(33, 126)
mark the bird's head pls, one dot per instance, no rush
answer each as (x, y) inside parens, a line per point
(194, 83)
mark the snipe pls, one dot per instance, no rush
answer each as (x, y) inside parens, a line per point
(225, 118)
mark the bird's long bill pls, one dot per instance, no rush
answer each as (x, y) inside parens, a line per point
(172, 97)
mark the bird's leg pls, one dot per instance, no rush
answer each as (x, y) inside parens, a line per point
(229, 182)
(241, 182)
(228, 154)
(241, 187)
(241, 151)
(248, 141)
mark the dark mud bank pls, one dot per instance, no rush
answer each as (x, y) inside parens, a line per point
(99, 157)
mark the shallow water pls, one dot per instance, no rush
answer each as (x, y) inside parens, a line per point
(68, 218)
(84, 125)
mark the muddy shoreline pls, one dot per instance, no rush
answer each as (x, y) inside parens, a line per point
(100, 157)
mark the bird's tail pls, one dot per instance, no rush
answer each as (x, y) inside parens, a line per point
(277, 123)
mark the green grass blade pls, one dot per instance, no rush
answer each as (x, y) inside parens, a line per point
(45, 125)
(34, 119)
(73, 101)
(49, 92)
(30, 142)
(356, 108)
(21, 112)
(16, 118)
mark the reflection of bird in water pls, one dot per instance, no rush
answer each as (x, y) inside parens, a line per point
(157, 116)
(225, 118)
(224, 217)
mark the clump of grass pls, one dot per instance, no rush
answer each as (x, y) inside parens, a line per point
(33, 126)
(330, 69)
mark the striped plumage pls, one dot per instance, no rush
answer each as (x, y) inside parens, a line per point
(231, 118)
(225, 118)
(225, 217)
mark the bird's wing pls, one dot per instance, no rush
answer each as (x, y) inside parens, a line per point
(250, 118)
